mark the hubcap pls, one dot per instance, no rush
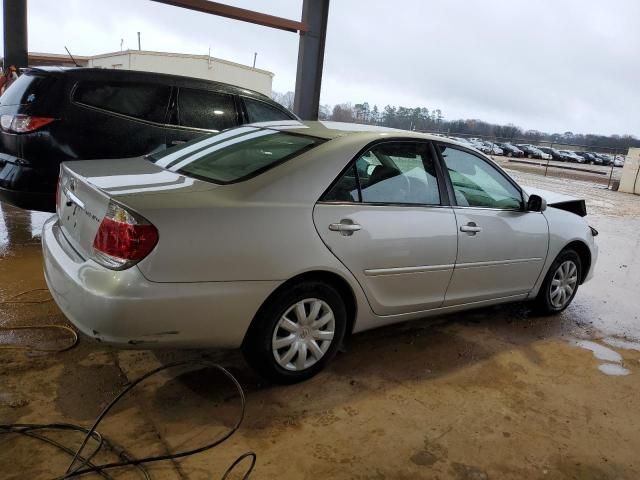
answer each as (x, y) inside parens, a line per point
(303, 334)
(563, 284)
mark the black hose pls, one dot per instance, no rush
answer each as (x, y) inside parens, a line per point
(81, 465)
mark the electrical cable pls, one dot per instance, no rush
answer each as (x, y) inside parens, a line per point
(73, 342)
(16, 300)
(81, 465)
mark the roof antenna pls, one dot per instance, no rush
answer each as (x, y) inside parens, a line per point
(72, 59)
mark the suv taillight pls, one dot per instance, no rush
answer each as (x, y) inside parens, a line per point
(23, 123)
(123, 238)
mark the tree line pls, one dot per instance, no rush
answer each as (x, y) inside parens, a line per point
(432, 120)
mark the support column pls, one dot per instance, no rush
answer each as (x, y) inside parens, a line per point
(310, 59)
(15, 33)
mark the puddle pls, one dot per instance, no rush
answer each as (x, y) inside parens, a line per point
(612, 360)
(613, 369)
(600, 351)
(621, 343)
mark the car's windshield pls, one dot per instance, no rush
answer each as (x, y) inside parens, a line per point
(234, 155)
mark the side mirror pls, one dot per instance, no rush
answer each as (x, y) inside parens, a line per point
(536, 203)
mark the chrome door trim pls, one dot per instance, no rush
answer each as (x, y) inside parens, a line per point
(374, 272)
(498, 262)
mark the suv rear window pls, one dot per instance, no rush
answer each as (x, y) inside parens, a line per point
(27, 88)
(234, 155)
(140, 100)
(263, 112)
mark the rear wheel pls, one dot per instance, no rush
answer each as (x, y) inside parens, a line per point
(561, 283)
(296, 333)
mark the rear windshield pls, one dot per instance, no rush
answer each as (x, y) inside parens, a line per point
(26, 89)
(234, 155)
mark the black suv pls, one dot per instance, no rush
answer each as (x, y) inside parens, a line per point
(51, 115)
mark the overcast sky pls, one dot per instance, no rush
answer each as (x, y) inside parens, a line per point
(551, 65)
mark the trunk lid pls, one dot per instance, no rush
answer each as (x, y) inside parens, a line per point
(86, 188)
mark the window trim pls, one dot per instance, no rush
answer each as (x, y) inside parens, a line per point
(445, 200)
(72, 100)
(488, 161)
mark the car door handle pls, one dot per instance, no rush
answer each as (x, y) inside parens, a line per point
(345, 227)
(471, 227)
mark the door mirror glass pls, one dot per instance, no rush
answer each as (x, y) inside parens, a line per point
(536, 204)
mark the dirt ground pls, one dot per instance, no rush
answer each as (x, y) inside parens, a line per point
(490, 394)
(573, 171)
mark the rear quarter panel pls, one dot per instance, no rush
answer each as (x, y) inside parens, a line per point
(259, 229)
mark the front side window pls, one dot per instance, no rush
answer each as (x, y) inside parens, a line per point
(140, 100)
(234, 155)
(476, 183)
(263, 112)
(394, 172)
(206, 109)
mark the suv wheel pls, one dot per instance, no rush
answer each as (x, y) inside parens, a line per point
(561, 283)
(296, 333)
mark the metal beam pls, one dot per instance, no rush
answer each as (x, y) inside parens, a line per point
(215, 8)
(15, 32)
(310, 59)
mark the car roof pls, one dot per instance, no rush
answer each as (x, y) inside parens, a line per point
(139, 75)
(329, 130)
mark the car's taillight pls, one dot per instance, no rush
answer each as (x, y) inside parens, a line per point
(23, 123)
(123, 238)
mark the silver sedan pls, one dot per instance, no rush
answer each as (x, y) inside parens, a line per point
(285, 238)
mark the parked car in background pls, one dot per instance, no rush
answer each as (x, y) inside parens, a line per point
(510, 150)
(618, 161)
(464, 142)
(480, 145)
(532, 151)
(606, 159)
(589, 157)
(285, 239)
(493, 148)
(51, 115)
(555, 154)
(573, 156)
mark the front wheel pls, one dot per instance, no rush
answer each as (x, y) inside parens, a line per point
(296, 333)
(560, 284)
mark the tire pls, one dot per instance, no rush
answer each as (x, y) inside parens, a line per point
(284, 364)
(547, 302)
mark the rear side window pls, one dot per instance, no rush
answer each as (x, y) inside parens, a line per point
(263, 112)
(236, 154)
(140, 100)
(27, 89)
(206, 109)
(395, 173)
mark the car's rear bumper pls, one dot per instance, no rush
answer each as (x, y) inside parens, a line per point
(124, 308)
(24, 186)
